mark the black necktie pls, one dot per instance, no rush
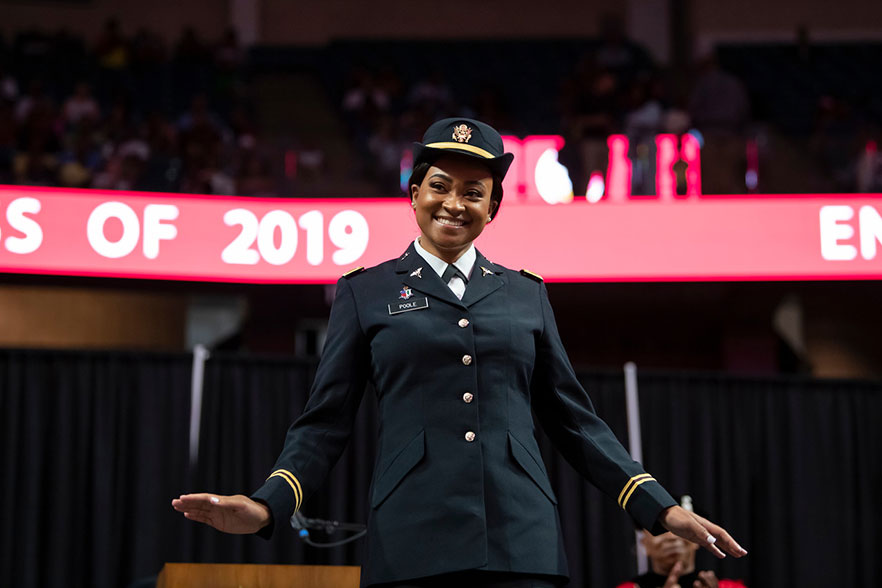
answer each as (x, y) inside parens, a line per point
(451, 271)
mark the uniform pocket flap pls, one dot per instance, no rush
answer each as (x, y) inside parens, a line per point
(401, 464)
(530, 465)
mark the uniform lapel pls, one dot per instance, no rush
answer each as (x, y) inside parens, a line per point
(485, 280)
(419, 275)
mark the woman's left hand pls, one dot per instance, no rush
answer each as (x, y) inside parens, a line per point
(701, 531)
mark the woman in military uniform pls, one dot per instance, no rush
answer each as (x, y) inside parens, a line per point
(459, 349)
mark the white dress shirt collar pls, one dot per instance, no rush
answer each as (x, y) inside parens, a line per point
(465, 263)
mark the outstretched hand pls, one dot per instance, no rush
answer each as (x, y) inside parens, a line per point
(701, 531)
(231, 514)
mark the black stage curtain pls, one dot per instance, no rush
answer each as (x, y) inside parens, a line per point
(95, 445)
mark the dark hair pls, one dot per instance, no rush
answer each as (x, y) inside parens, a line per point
(422, 168)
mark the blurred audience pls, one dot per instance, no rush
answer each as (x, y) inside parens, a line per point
(133, 112)
(115, 120)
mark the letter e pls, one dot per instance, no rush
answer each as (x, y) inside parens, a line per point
(832, 231)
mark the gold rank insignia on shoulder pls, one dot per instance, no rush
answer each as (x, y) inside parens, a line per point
(531, 275)
(352, 272)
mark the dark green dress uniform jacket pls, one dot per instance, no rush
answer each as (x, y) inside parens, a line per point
(459, 482)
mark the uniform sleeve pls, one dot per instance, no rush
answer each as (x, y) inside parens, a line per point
(317, 438)
(567, 415)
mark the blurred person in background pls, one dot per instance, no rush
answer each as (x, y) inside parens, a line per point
(836, 141)
(81, 158)
(869, 165)
(386, 150)
(590, 105)
(229, 57)
(114, 57)
(618, 54)
(32, 104)
(191, 62)
(8, 86)
(644, 119)
(490, 105)
(80, 106)
(254, 176)
(720, 108)
(35, 165)
(150, 71)
(432, 95)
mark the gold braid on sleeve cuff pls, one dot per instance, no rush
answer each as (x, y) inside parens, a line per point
(294, 483)
(629, 488)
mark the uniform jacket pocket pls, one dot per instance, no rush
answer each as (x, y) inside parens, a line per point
(531, 465)
(400, 466)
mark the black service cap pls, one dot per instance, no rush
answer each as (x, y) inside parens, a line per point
(465, 136)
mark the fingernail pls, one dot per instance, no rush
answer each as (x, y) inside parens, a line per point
(215, 499)
(711, 539)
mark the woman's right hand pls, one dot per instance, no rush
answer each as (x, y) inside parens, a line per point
(231, 514)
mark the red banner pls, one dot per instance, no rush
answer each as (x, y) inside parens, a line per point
(257, 240)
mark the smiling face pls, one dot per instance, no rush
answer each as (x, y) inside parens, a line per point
(452, 205)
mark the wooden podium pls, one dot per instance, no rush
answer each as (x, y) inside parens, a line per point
(188, 575)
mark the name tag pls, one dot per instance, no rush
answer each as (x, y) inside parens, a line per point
(416, 304)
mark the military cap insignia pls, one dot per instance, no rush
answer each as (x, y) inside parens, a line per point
(352, 272)
(405, 293)
(462, 134)
(531, 275)
(418, 272)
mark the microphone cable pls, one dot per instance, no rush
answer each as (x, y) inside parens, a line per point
(303, 524)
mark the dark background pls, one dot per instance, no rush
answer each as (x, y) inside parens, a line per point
(96, 445)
